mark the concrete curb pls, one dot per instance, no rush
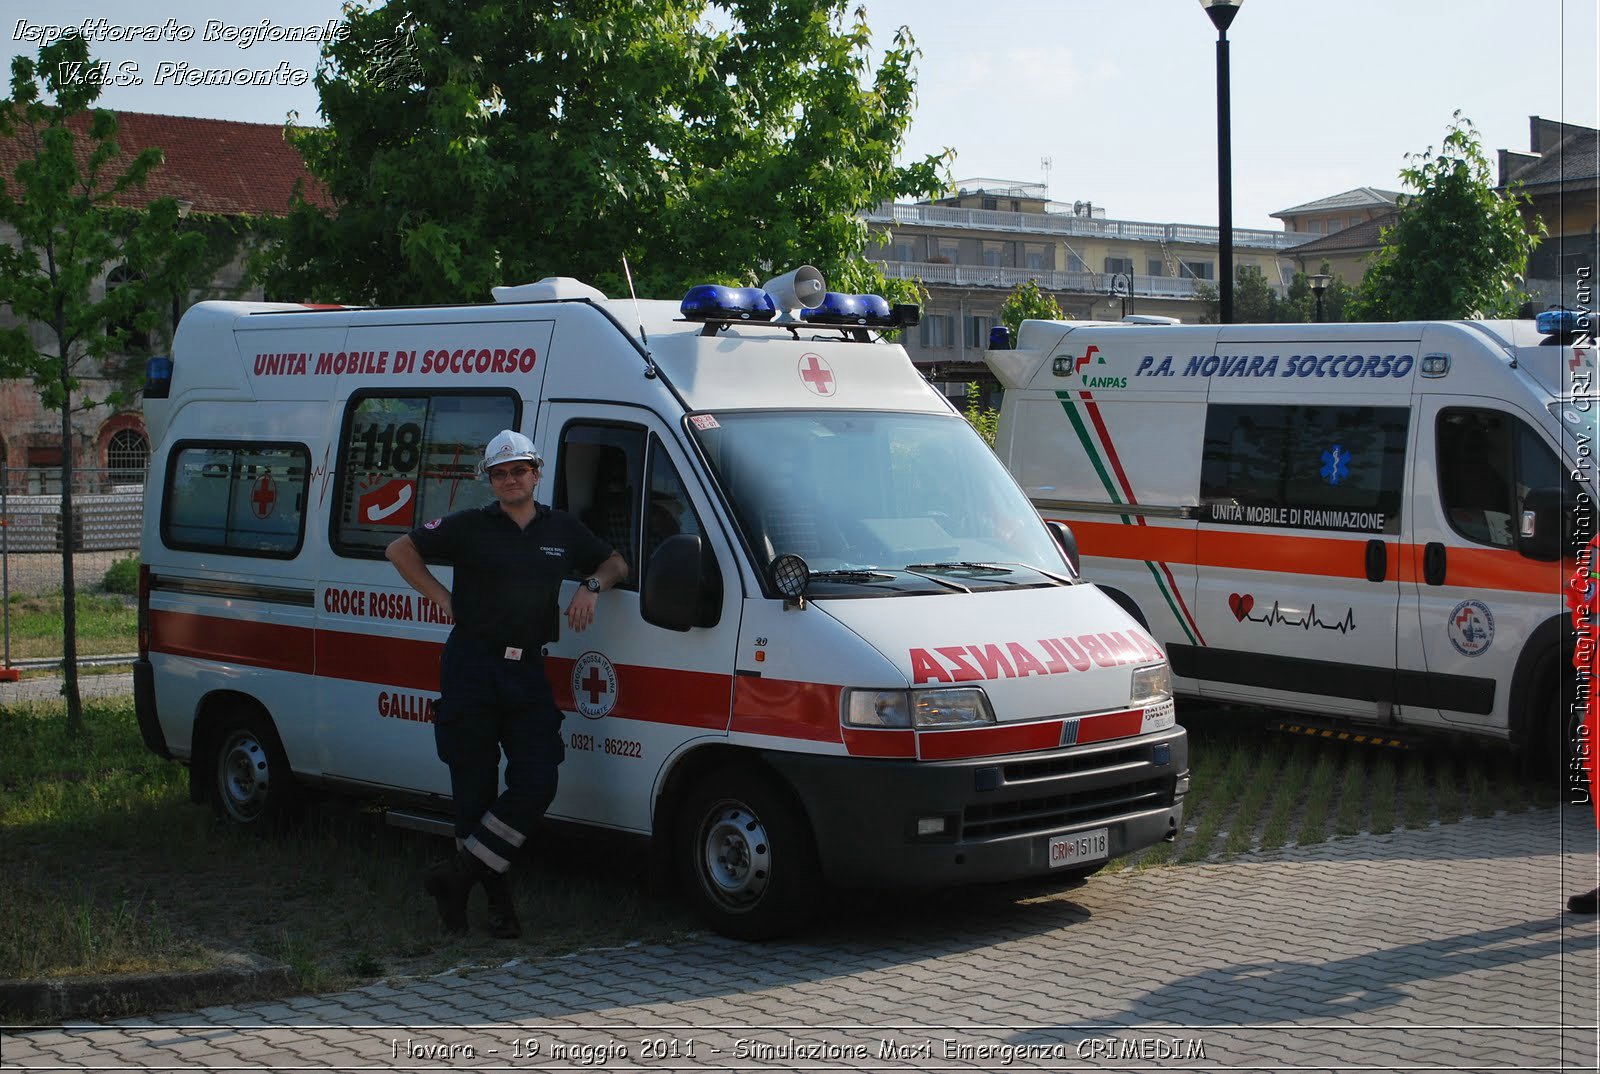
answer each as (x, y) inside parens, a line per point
(44, 1001)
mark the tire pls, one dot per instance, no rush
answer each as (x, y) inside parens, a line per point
(251, 784)
(745, 855)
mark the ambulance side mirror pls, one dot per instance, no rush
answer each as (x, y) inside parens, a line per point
(683, 586)
(1540, 534)
(1069, 544)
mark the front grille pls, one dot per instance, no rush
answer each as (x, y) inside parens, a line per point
(1022, 771)
(1055, 811)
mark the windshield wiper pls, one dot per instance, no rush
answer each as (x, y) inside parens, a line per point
(856, 575)
(960, 565)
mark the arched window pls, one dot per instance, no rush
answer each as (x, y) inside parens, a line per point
(127, 456)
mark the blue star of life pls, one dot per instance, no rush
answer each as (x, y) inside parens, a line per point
(1335, 465)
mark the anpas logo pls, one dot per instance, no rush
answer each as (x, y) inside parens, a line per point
(1090, 379)
(1471, 628)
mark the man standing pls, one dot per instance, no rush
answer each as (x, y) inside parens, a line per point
(510, 557)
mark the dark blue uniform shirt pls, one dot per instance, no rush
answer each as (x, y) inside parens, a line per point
(508, 579)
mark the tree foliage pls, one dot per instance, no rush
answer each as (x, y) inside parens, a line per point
(1027, 302)
(62, 202)
(1458, 248)
(985, 420)
(1255, 302)
(468, 145)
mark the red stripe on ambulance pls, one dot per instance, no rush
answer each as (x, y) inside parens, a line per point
(784, 708)
(233, 641)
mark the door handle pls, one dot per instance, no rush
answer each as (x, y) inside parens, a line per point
(1433, 563)
(1377, 560)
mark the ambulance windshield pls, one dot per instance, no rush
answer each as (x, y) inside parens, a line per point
(860, 491)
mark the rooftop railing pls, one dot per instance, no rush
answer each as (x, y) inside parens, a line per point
(1066, 224)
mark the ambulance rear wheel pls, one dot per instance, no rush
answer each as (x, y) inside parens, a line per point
(746, 859)
(251, 785)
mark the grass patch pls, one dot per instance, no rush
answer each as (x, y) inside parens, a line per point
(102, 853)
(106, 623)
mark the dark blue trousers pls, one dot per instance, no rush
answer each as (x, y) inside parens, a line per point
(488, 704)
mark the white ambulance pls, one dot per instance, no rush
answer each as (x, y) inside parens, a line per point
(1360, 521)
(849, 648)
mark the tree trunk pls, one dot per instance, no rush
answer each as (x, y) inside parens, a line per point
(69, 588)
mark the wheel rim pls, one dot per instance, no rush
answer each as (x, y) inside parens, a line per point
(735, 856)
(243, 776)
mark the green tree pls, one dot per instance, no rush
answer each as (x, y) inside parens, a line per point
(63, 201)
(1255, 302)
(1457, 248)
(1300, 303)
(1028, 303)
(985, 419)
(469, 145)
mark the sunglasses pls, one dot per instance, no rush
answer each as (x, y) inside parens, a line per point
(511, 473)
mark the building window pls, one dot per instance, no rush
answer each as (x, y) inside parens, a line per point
(134, 338)
(1037, 257)
(1354, 220)
(1316, 227)
(993, 254)
(1119, 264)
(903, 251)
(951, 252)
(978, 332)
(991, 203)
(127, 455)
(1335, 225)
(1197, 270)
(1075, 263)
(938, 330)
(1154, 267)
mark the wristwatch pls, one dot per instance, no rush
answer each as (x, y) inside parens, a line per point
(592, 583)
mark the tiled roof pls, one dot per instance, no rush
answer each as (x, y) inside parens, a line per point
(220, 166)
(1574, 159)
(1363, 197)
(1363, 236)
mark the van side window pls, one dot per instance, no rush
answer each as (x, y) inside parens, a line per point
(1488, 461)
(670, 511)
(600, 479)
(408, 457)
(1305, 467)
(238, 499)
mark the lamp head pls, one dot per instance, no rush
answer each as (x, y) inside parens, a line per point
(1319, 282)
(1221, 12)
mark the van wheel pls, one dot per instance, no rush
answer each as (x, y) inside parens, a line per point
(251, 785)
(745, 855)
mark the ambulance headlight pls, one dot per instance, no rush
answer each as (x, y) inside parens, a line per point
(877, 708)
(967, 706)
(1151, 683)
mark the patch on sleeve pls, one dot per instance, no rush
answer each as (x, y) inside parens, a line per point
(432, 524)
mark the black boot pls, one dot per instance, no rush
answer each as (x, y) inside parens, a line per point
(1587, 903)
(503, 924)
(450, 882)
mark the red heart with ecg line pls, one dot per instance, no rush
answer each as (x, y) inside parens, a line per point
(1241, 605)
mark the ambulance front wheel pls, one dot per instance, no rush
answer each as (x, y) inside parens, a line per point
(746, 859)
(250, 780)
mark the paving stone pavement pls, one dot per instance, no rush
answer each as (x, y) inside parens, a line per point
(1441, 949)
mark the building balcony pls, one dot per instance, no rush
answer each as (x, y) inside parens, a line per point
(1065, 224)
(1092, 283)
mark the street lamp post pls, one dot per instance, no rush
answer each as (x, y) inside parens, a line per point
(1122, 287)
(1319, 284)
(1222, 13)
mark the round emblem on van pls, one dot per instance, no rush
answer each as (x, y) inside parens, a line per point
(1471, 628)
(594, 685)
(816, 374)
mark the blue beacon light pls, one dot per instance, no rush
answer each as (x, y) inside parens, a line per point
(718, 302)
(839, 308)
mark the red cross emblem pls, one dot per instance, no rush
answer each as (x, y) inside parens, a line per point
(1577, 357)
(595, 685)
(264, 496)
(816, 374)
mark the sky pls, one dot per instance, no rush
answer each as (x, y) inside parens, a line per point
(1118, 96)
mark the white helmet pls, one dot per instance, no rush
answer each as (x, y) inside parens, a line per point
(509, 446)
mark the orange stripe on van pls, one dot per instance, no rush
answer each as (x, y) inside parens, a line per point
(1324, 557)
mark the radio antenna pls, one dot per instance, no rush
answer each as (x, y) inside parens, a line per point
(629, 274)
